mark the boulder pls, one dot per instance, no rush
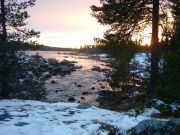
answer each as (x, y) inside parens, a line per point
(53, 81)
(85, 93)
(156, 127)
(84, 106)
(71, 99)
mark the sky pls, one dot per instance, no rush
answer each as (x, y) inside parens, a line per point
(65, 23)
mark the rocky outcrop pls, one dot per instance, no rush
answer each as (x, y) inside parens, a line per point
(34, 71)
(156, 127)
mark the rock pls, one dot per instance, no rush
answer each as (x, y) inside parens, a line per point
(78, 67)
(83, 98)
(71, 99)
(53, 81)
(103, 87)
(66, 70)
(79, 85)
(58, 91)
(93, 88)
(86, 93)
(20, 124)
(53, 62)
(66, 62)
(98, 69)
(84, 106)
(156, 127)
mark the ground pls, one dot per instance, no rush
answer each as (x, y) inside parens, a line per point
(28, 117)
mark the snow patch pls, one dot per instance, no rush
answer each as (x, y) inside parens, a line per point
(35, 118)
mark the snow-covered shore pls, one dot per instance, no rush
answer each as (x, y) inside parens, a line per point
(20, 117)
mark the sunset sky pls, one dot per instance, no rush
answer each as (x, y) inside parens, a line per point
(65, 23)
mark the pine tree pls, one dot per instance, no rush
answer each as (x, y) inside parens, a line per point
(124, 17)
(13, 30)
(169, 91)
(128, 17)
(13, 15)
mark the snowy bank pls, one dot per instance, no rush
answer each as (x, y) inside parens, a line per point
(19, 117)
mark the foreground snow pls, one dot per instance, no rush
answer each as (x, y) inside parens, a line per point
(20, 117)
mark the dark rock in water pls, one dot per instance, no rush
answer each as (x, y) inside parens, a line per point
(156, 127)
(98, 69)
(83, 98)
(66, 62)
(66, 69)
(20, 124)
(78, 67)
(53, 81)
(79, 85)
(84, 106)
(53, 62)
(71, 99)
(86, 93)
(58, 91)
(103, 87)
(93, 88)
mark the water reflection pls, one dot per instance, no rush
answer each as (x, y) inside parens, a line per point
(82, 85)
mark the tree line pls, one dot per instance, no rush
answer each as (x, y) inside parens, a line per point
(128, 18)
(14, 34)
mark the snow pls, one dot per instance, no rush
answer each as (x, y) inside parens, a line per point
(175, 107)
(102, 56)
(23, 58)
(141, 59)
(22, 117)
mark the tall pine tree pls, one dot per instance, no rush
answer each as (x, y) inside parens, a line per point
(13, 16)
(13, 30)
(126, 18)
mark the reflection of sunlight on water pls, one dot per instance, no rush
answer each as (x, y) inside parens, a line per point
(85, 77)
(83, 60)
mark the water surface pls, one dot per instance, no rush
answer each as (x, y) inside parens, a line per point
(82, 84)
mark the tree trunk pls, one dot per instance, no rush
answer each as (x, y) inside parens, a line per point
(154, 48)
(3, 21)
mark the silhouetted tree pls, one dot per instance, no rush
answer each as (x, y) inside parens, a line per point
(169, 88)
(124, 17)
(3, 22)
(154, 47)
(13, 15)
(129, 17)
(13, 31)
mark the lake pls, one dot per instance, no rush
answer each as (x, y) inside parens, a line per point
(83, 84)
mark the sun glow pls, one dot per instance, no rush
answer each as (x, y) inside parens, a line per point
(143, 37)
(65, 23)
